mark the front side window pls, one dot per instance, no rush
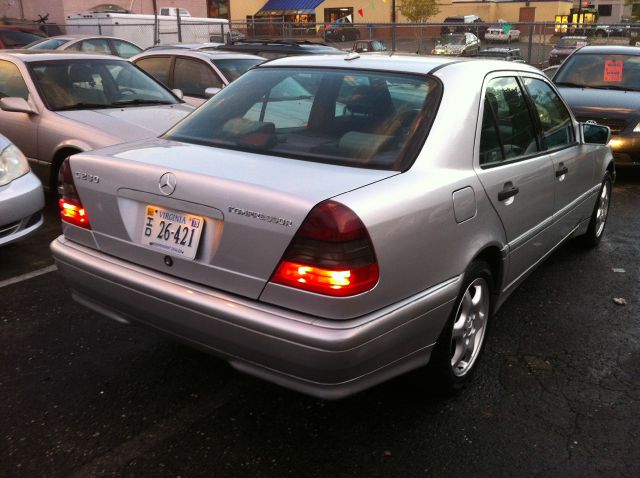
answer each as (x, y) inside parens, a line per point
(507, 132)
(555, 119)
(156, 66)
(90, 84)
(354, 118)
(11, 82)
(193, 77)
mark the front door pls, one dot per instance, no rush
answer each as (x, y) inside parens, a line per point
(20, 128)
(516, 174)
(573, 163)
(527, 15)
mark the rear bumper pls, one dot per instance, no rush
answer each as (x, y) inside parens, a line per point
(326, 358)
(21, 203)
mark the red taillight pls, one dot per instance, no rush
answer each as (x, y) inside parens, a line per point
(71, 209)
(330, 254)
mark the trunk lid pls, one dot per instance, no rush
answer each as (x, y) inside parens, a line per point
(251, 205)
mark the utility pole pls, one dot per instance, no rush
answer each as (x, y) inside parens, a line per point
(156, 36)
(393, 27)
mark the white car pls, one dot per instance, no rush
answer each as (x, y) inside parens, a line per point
(498, 34)
(21, 196)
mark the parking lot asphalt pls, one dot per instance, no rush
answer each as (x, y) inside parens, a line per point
(557, 394)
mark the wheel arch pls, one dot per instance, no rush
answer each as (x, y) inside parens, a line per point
(59, 156)
(493, 256)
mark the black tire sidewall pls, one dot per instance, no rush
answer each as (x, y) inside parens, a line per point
(440, 363)
(591, 239)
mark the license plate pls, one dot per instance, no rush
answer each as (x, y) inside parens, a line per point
(173, 232)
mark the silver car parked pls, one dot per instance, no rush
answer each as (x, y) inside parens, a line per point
(74, 102)
(327, 223)
(21, 196)
(198, 74)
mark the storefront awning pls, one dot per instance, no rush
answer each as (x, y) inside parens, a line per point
(289, 7)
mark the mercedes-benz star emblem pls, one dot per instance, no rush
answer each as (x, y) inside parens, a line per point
(168, 184)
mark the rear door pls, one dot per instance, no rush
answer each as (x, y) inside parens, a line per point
(517, 175)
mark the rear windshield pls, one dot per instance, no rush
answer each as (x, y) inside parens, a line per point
(347, 117)
(233, 68)
(567, 42)
(15, 38)
(49, 44)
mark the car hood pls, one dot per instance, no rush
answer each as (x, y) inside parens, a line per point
(595, 103)
(131, 123)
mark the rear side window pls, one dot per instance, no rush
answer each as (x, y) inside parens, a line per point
(507, 129)
(557, 128)
(99, 46)
(156, 66)
(11, 82)
(355, 118)
(125, 49)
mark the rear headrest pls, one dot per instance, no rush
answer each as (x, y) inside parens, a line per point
(80, 74)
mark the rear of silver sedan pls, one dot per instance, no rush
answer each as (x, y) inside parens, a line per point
(263, 228)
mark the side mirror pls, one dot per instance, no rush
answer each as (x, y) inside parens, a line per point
(595, 134)
(16, 104)
(178, 92)
(211, 92)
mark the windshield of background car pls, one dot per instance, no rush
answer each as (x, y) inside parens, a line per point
(616, 72)
(455, 39)
(47, 44)
(16, 38)
(570, 42)
(233, 68)
(348, 117)
(89, 84)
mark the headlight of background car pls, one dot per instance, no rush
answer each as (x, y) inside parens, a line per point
(637, 128)
(13, 164)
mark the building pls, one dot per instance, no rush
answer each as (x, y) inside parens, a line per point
(612, 11)
(379, 11)
(58, 10)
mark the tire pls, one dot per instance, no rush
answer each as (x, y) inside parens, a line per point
(456, 353)
(600, 213)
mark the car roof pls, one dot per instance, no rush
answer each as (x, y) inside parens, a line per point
(392, 63)
(609, 50)
(294, 45)
(28, 56)
(203, 54)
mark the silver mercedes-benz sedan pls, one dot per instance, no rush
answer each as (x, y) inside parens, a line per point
(21, 196)
(327, 223)
(55, 104)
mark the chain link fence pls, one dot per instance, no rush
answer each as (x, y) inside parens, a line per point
(534, 40)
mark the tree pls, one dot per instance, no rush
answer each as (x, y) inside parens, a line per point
(418, 11)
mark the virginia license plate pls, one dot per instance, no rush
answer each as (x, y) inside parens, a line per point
(173, 232)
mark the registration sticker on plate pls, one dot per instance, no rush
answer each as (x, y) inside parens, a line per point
(171, 231)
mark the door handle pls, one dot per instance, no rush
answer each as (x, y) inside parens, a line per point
(508, 192)
(562, 171)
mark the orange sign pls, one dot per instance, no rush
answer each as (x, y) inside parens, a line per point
(613, 71)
